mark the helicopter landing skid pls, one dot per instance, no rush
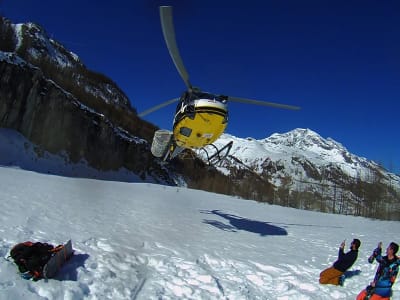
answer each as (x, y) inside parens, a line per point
(219, 154)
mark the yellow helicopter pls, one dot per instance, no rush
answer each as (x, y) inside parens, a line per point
(200, 117)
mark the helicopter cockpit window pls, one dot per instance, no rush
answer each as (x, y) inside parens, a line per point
(185, 97)
(185, 131)
(202, 95)
(206, 96)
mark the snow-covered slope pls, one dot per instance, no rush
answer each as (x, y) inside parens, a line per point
(18, 152)
(146, 241)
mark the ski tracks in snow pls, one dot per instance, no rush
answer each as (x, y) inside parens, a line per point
(110, 267)
(157, 271)
(163, 273)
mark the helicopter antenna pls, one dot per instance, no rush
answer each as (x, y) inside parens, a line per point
(167, 25)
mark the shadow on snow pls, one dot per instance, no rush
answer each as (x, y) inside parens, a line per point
(237, 223)
(69, 270)
(349, 274)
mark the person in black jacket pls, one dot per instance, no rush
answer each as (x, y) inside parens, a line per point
(333, 274)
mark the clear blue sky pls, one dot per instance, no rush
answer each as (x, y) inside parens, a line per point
(338, 60)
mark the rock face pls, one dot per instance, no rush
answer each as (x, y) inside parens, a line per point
(49, 96)
(51, 117)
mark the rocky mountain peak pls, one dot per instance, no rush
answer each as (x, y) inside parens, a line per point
(35, 42)
(304, 139)
(31, 42)
(302, 153)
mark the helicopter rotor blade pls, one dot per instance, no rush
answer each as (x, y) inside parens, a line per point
(263, 103)
(157, 107)
(169, 37)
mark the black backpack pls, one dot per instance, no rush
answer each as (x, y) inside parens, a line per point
(32, 257)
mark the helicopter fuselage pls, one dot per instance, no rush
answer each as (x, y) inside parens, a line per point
(199, 122)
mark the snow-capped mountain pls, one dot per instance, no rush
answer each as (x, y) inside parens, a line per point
(297, 149)
(32, 43)
(302, 162)
(41, 46)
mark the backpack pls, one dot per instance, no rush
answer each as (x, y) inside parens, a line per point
(32, 257)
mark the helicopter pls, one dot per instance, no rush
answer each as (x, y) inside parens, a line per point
(200, 117)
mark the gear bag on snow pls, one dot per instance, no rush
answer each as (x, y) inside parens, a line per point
(32, 257)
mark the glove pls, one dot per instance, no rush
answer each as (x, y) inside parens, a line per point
(377, 251)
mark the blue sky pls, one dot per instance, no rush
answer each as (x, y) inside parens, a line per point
(338, 60)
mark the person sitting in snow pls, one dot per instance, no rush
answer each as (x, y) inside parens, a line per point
(333, 275)
(381, 287)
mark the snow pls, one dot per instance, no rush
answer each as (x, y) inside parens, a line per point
(17, 151)
(18, 31)
(12, 58)
(47, 45)
(147, 241)
(139, 240)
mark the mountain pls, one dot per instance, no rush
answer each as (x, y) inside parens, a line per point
(62, 108)
(312, 172)
(49, 96)
(32, 43)
(303, 154)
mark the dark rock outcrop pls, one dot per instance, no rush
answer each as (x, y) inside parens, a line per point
(54, 119)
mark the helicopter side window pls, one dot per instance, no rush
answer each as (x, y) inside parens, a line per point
(225, 119)
(185, 131)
